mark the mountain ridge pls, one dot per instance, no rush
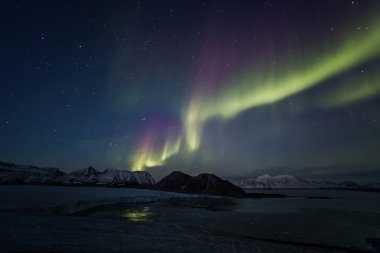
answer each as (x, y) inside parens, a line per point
(11, 173)
(204, 183)
(290, 182)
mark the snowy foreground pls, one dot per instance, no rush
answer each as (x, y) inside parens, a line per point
(93, 219)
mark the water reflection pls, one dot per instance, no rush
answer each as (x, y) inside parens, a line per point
(138, 214)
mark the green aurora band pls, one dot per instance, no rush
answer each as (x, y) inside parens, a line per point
(352, 90)
(276, 83)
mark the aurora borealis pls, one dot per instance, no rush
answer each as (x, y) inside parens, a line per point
(230, 87)
(273, 85)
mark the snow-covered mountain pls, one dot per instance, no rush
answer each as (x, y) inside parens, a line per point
(16, 174)
(290, 182)
(274, 182)
(119, 176)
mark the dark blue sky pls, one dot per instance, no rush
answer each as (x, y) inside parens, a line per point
(82, 82)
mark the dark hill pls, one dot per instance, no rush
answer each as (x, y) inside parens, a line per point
(175, 181)
(201, 184)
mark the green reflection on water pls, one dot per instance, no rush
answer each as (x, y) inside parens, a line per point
(138, 214)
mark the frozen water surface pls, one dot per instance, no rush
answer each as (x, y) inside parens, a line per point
(134, 220)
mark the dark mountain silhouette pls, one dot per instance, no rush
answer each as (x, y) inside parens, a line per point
(202, 184)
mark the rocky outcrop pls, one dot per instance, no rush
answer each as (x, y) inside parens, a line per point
(201, 184)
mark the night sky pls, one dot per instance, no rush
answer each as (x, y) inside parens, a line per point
(236, 88)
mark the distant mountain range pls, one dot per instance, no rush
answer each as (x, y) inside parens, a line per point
(177, 181)
(210, 184)
(18, 174)
(290, 182)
